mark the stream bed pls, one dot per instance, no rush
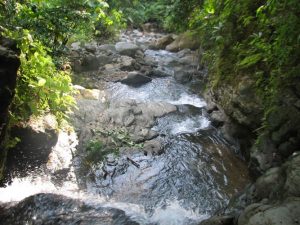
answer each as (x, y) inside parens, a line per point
(191, 175)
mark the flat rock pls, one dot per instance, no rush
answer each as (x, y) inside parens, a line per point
(135, 79)
(126, 48)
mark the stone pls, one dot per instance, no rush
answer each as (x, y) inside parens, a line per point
(217, 118)
(150, 27)
(269, 184)
(91, 47)
(292, 171)
(161, 43)
(188, 40)
(126, 48)
(218, 220)
(107, 48)
(191, 60)
(153, 147)
(90, 63)
(57, 209)
(286, 213)
(135, 79)
(182, 76)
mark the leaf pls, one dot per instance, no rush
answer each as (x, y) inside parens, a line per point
(250, 60)
(41, 81)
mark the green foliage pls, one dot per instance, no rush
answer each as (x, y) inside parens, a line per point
(55, 22)
(42, 30)
(41, 88)
(255, 38)
(97, 150)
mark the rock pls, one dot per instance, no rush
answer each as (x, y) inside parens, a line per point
(126, 48)
(182, 76)
(292, 181)
(259, 214)
(76, 46)
(270, 184)
(50, 209)
(150, 27)
(189, 39)
(217, 118)
(91, 94)
(152, 147)
(138, 118)
(135, 79)
(160, 72)
(162, 42)
(191, 60)
(218, 220)
(90, 63)
(184, 52)
(126, 63)
(107, 48)
(38, 137)
(91, 47)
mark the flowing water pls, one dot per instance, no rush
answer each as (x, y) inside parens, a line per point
(194, 177)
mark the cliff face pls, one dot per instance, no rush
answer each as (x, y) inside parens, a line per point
(271, 148)
(9, 64)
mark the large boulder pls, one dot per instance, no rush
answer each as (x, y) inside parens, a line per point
(135, 79)
(189, 39)
(162, 42)
(51, 209)
(262, 214)
(127, 48)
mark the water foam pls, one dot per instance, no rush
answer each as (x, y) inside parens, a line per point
(175, 214)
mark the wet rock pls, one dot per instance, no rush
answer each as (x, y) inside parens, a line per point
(48, 209)
(191, 60)
(261, 214)
(161, 43)
(90, 94)
(126, 48)
(135, 79)
(188, 40)
(184, 53)
(153, 147)
(38, 138)
(126, 63)
(182, 76)
(217, 118)
(137, 118)
(218, 220)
